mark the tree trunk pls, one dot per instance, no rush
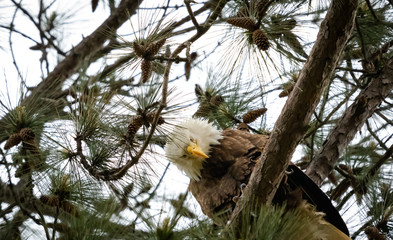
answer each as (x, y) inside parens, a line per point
(296, 114)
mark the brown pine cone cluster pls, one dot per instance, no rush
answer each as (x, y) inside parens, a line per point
(146, 52)
(137, 122)
(260, 39)
(147, 68)
(243, 22)
(258, 36)
(12, 141)
(25, 134)
(252, 115)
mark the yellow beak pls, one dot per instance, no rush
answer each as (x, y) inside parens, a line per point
(196, 151)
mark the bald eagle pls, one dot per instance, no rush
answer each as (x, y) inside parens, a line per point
(220, 163)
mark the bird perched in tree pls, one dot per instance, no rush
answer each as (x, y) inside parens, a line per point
(219, 165)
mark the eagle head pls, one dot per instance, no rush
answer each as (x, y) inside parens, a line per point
(189, 144)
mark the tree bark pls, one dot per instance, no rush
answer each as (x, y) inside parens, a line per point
(350, 123)
(301, 103)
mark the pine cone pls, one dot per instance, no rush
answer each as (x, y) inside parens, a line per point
(147, 69)
(70, 208)
(187, 64)
(167, 51)
(243, 22)
(187, 69)
(193, 56)
(150, 118)
(252, 115)
(260, 39)
(373, 233)
(198, 92)
(346, 168)
(216, 100)
(13, 140)
(332, 178)
(286, 91)
(139, 49)
(340, 189)
(289, 24)
(153, 48)
(134, 125)
(261, 7)
(50, 200)
(203, 110)
(27, 135)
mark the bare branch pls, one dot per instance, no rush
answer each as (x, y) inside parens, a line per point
(191, 13)
(86, 48)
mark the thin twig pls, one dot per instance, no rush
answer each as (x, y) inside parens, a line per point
(338, 106)
(16, 198)
(55, 222)
(11, 47)
(380, 51)
(10, 28)
(382, 144)
(372, 10)
(191, 13)
(152, 194)
(379, 113)
(359, 32)
(42, 220)
(345, 199)
(351, 69)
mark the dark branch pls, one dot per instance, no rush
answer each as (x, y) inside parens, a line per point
(353, 119)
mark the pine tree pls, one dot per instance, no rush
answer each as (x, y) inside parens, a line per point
(81, 145)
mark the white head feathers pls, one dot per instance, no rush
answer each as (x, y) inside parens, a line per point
(192, 131)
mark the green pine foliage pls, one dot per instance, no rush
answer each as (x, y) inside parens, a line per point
(270, 223)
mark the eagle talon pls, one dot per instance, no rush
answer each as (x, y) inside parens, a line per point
(242, 187)
(289, 172)
(236, 199)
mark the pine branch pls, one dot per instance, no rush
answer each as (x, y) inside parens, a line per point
(200, 32)
(296, 114)
(52, 84)
(352, 120)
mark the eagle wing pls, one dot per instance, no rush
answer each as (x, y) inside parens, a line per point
(230, 164)
(315, 196)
